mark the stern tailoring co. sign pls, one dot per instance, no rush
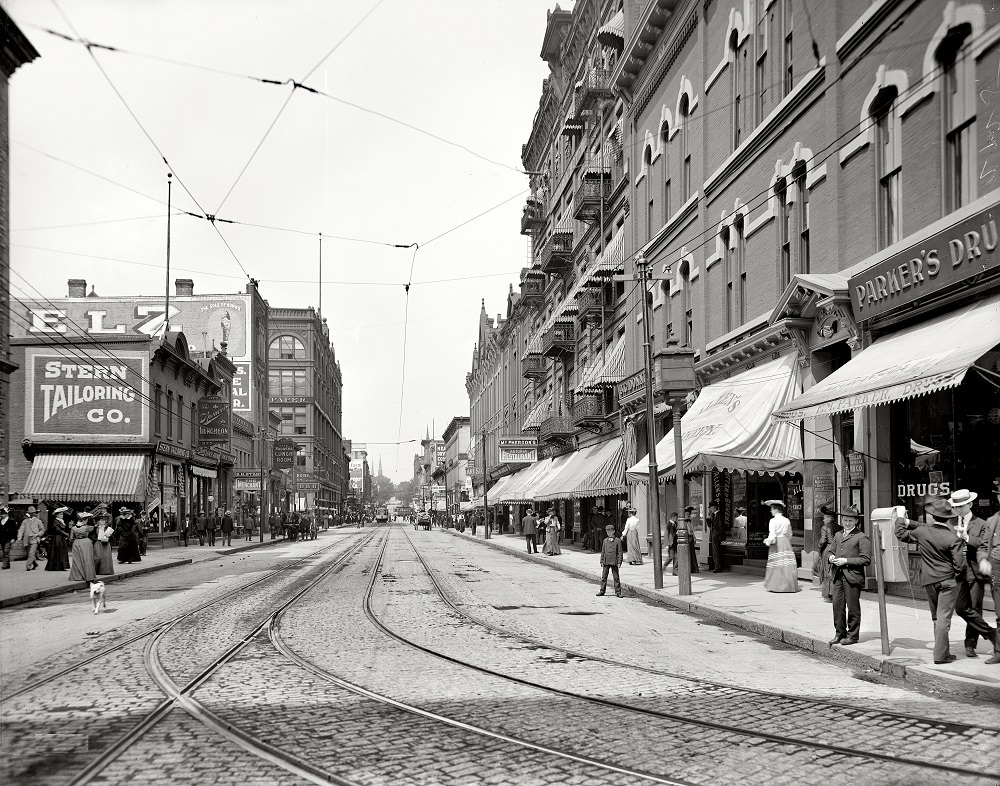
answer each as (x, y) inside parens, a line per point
(965, 249)
(100, 400)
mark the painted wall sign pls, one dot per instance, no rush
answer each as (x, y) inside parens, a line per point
(213, 421)
(99, 399)
(966, 249)
(206, 320)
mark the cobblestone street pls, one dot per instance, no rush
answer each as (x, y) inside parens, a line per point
(444, 661)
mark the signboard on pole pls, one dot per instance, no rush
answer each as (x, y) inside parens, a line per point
(213, 420)
(284, 454)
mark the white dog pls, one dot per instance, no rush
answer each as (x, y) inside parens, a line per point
(97, 595)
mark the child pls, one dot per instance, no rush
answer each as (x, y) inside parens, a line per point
(612, 555)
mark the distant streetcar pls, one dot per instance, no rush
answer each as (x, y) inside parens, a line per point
(381, 514)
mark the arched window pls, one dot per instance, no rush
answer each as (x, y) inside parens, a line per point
(802, 190)
(687, 331)
(286, 348)
(684, 149)
(958, 115)
(736, 275)
(647, 161)
(888, 166)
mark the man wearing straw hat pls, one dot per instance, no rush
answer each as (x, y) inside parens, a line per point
(972, 528)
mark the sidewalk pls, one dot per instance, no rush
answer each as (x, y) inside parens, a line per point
(801, 619)
(17, 585)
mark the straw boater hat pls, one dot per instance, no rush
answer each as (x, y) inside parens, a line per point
(773, 503)
(962, 497)
(59, 511)
(940, 509)
(741, 509)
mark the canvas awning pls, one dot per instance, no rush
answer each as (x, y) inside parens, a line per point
(560, 484)
(608, 476)
(933, 355)
(613, 32)
(85, 477)
(730, 426)
(538, 485)
(607, 373)
(493, 494)
(514, 491)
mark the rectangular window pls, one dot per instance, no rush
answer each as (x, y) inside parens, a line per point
(170, 414)
(803, 216)
(737, 277)
(761, 75)
(786, 17)
(737, 92)
(158, 410)
(180, 421)
(650, 213)
(666, 199)
(784, 240)
(889, 176)
(958, 106)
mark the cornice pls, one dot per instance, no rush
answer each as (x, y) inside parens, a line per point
(767, 344)
(662, 61)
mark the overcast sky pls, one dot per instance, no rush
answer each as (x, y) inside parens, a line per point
(88, 185)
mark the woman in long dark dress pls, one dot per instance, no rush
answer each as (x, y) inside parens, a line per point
(58, 533)
(128, 548)
(104, 561)
(82, 550)
(824, 570)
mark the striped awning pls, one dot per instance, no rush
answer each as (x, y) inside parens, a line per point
(611, 262)
(538, 413)
(573, 470)
(613, 32)
(609, 476)
(87, 477)
(521, 484)
(607, 373)
(493, 494)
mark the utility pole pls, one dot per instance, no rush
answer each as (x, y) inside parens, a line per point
(643, 271)
(486, 524)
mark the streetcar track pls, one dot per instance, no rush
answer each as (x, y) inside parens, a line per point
(771, 737)
(58, 675)
(177, 696)
(374, 574)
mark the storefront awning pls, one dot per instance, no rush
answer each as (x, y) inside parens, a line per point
(730, 426)
(933, 355)
(607, 373)
(493, 494)
(522, 483)
(201, 472)
(608, 475)
(573, 471)
(83, 477)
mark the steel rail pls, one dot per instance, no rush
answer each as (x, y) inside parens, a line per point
(50, 678)
(177, 696)
(777, 738)
(284, 649)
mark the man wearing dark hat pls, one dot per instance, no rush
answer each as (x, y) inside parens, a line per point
(8, 534)
(971, 528)
(716, 531)
(529, 525)
(849, 555)
(942, 555)
(30, 533)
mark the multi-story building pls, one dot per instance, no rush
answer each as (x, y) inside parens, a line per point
(360, 474)
(542, 382)
(456, 459)
(305, 388)
(16, 51)
(817, 200)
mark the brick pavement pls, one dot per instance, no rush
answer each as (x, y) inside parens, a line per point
(800, 619)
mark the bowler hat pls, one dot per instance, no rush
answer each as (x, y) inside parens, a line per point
(32, 509)
(940, 509)
(962, 497)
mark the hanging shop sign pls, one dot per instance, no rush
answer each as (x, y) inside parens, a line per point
(963, 250)
(284, 454)
(214, 422)
(856, 468)
(518, 450)
(100, 400)
(247, 484)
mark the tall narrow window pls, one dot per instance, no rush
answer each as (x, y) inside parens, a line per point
(888, 167)
(170, 414)
(664, 137)
(687, 331)
(668, 330)
(802, 190)
(158, 410)
(784, 236)
(181, 413)
(736, 276)
(650, 214)
(787, 63)
(760, 46)
(685, 152)
(736, 85)
(958, 110)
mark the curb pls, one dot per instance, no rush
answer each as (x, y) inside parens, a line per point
(917, 677)
(80, 585)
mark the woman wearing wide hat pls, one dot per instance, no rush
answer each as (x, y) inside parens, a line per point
(82, 553)
(781, 574)
(58, 540)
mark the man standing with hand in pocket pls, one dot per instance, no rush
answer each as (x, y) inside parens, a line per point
(850, 553)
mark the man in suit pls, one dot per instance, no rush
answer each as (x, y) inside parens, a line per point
(943, 562)
(972, 528)
(530, 528)
(716, 531)
(850, 554)
(201, 525)
(227, 528)
(988, 557)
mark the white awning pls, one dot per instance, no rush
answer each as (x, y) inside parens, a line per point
(613, 33)
(201, 472)
(730, 426)
(573, 471)
(605, 373)
(933, 355)
(84, 477)
(519, 488)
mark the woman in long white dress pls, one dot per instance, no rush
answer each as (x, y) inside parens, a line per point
(781, 574)
(553, 525)
(633, 551)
